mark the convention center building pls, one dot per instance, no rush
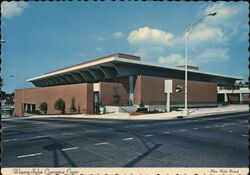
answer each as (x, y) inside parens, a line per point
(119, 82)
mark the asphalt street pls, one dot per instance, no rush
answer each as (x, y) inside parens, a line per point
(211, 141)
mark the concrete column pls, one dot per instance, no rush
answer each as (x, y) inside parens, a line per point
(241, 98)
(131, 88)
(225, 98)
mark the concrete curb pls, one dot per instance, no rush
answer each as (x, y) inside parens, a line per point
(147, 117)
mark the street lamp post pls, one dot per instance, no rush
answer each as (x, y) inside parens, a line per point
(1, 83)
(23, 106)
(3, 41)
(187, 34)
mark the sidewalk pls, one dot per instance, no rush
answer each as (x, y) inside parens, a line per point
(193, 112)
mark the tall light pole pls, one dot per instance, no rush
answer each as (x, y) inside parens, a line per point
(187, 34)
(23, 106)
(1, 80)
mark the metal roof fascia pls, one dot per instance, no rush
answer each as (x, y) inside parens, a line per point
(115, 59)
(179, 69)
(73, 68)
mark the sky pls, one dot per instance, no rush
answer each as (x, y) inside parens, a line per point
(45, 36)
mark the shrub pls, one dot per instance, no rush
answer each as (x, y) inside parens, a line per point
(100, 103)
(142, 104)
(37, 112)
(60, 105)
(11, 111)
(142, 107)
(130, 103)
(116, 97)
(43, 107)
(78, 109)
(73, 105)
(142, 110)
(97, 106)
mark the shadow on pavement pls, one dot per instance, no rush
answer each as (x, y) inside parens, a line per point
(142, 156)
(144, 141)
(56, 148)
(13, 133)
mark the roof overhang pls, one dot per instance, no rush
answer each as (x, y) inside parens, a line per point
(112, 67)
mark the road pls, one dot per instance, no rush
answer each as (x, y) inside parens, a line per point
(211, 141)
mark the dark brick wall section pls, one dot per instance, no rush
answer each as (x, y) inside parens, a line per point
(146, 88)
(151, 91)
(82, 92)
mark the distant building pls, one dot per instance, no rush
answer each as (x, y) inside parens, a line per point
(134, 81)
(237, 94)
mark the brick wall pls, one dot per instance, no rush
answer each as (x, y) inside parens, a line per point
(107, 91)
(245, 98)
(151, 91)
(83, 94)
(146, 88)
(234, 98)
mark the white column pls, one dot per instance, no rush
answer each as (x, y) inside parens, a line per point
(225, 98)
(131, 88)
(26, 107)
(241, 98)
(30, 107)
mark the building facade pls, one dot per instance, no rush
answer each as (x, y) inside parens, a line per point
(99, 81)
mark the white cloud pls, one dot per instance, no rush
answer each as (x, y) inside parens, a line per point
(81, 54)
(118, 34)
(207, 55)
(143, 53)
(213, 55)
(206, 34)
(209, 42)
(11, 9)
(149, 36)
(230, 17)
(172, 60)
(149, 54)
(225, 11)
(99, 49)
(99, 38)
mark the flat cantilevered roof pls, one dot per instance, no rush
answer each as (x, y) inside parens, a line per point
(119, 65)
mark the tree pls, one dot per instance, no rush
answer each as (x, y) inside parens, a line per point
(43, 107)
(78, 109)
(130, 103)
(73, 105)
(142, 104)
(116, 96)
(1, 82)
(60, 105)
(3, 95)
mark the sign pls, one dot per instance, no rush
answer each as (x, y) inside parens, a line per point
(168, 86)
